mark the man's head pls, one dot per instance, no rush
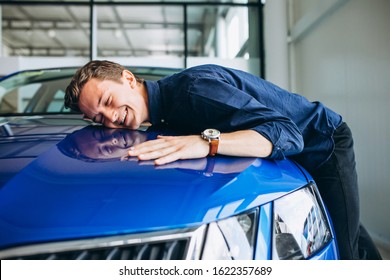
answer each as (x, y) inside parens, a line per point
(108, 93)
(101, 70)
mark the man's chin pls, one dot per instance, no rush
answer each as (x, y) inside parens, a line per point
(132, 126)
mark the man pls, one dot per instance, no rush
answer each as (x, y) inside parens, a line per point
(230, 112)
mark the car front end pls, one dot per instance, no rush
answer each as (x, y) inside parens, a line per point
(99, 203)
(68, 190)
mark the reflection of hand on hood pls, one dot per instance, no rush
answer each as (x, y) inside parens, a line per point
(98, 142)
(210, 165)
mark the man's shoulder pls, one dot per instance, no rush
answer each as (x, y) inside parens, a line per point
(204, 68)
(203, 71)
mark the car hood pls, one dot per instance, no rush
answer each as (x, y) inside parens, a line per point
(85, 186)
(23, 138)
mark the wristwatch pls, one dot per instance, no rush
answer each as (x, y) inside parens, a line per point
(212, 136)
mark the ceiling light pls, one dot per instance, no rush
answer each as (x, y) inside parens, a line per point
(51, 33)
(118, 33)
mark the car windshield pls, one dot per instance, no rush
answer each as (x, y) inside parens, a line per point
(42, 91)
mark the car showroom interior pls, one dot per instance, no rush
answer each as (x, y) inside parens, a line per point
(73, 187)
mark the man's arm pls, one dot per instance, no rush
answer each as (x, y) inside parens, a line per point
(165, 149)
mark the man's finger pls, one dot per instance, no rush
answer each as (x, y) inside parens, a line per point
(147, 147)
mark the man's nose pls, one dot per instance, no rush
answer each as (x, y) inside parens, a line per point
(114, 116)
(111, 115)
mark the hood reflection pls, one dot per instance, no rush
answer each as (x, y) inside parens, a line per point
(102, 144)
(97, 143)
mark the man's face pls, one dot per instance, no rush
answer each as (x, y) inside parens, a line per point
(113, 104)
(107, 143)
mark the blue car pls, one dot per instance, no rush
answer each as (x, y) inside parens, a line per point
(69, 191)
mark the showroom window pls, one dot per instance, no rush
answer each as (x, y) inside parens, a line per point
(174, 33)
(45, 30)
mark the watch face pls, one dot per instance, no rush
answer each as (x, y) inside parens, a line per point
(211, 133)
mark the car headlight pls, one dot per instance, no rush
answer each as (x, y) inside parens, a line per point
(231, 238)
(300, 226)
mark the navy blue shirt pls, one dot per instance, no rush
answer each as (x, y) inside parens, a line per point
(212, 96)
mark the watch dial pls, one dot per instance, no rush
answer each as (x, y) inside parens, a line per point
(212, 133)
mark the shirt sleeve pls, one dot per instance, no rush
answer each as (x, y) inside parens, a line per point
(234, 108)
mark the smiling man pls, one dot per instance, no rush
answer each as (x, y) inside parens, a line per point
(230, 112)
(109, 94)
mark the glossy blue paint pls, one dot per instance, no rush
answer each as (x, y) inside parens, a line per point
(264, 238)
(58, 197)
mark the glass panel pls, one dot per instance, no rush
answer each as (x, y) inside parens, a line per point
(218, 31)
(49, 1)
(57, 103)
(17, 100)
(226, 34)
(35, 98)
(45, 30)
(182, 1)
(222, 35)
(144, 1)
(140, 31)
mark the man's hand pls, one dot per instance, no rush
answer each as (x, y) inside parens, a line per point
(166, 149)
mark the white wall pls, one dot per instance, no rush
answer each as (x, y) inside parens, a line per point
(340, 55)
(9, 65)
(276, 49)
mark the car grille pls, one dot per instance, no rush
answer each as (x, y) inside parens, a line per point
(168, 245)
(159, 251)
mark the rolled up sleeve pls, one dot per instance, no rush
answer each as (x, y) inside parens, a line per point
(284, 136)
(235, 109)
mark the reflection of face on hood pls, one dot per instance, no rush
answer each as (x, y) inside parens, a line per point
(98, 142)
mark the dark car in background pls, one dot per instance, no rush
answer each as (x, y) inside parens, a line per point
(68, 190)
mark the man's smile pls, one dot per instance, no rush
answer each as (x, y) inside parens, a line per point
(122, 121)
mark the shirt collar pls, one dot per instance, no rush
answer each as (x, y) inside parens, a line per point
(154, 102)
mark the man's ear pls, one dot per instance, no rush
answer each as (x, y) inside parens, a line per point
(130, 78)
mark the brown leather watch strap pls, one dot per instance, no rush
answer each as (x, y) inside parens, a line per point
(213, 147)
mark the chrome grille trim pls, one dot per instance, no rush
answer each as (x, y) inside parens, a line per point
(151, 245)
